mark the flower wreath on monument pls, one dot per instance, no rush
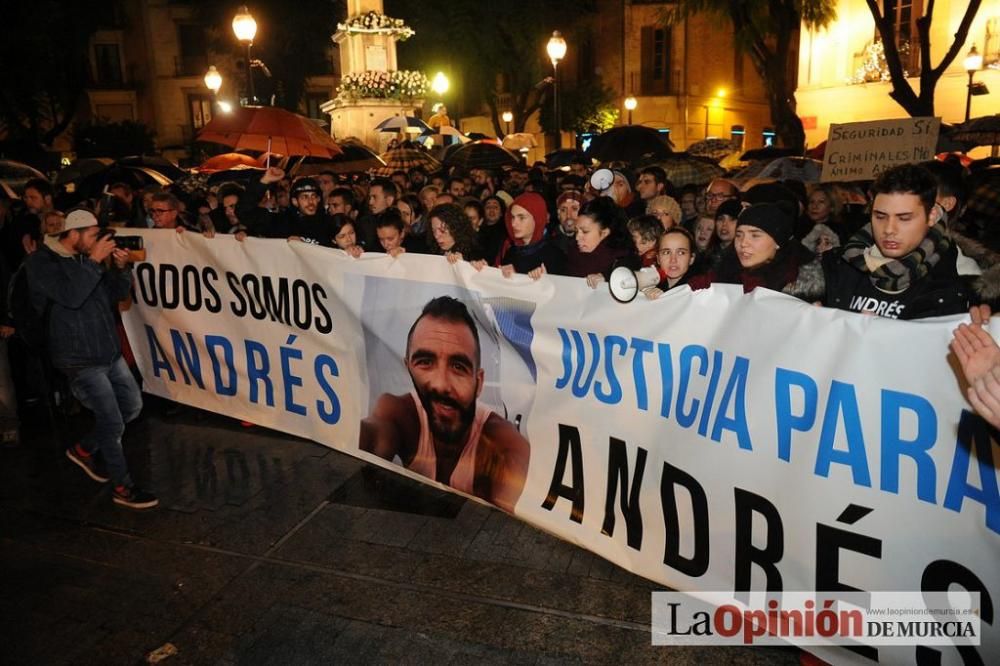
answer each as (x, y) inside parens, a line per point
(402, 84)
(375, 23)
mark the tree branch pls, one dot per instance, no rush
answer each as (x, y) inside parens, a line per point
(960, 35)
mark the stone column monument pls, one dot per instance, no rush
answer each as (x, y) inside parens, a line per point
(372, 89)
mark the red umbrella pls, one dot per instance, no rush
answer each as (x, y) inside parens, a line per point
(227, 161)
(269, 128)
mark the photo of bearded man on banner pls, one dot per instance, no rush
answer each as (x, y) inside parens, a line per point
(441, 427)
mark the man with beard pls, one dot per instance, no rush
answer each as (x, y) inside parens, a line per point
(305, 220)
(76, 280)
(438, 430)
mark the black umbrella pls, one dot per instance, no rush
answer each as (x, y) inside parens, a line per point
(983, 131)
(768, 153)
(15, 174)
(563, 157)
(482, 155)
(86, 178)
(355, 158)
(629, 143)
(155, 162)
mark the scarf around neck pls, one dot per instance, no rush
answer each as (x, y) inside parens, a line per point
(895, 275)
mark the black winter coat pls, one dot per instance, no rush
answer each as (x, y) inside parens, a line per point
(941, 292)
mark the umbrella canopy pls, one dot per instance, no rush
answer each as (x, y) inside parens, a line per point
(482, 155)
(227, 161)
(984, 197)
(563, 157)
(769, 153)
(714, 149)
(784, 168)
(355, 158)
(238, 174)
(88, 177)
(269, 128)
(629, 143)
(519, 141)
(404, 159)
(402, 124)
(81, 168)
(155, 162)
(449, 135)
(983, 131)
(686, 169)
(15, 174)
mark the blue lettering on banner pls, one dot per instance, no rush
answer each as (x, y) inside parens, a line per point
(843, 402)
(693, 403)
(187, 362)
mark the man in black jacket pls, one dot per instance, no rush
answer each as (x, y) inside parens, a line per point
(305, 220)
(76, 292)
(901, 265)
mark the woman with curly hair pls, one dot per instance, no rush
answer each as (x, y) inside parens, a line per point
(451, 234)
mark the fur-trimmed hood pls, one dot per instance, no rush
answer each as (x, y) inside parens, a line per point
(987, 283)
(810, 284)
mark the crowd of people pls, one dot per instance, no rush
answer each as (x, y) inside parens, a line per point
(898, 247)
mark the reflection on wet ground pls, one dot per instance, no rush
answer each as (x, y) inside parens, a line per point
(271, 549)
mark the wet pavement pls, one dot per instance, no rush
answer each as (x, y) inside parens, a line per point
(268, 549)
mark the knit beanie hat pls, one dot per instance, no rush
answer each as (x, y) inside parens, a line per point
(770, 218)
(535, 205)
(730, 207)
(569, 195)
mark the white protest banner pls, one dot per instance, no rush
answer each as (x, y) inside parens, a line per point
(861, 151)
(709, 441)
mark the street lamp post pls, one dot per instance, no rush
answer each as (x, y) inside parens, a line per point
(630, 104)
(245, 29)
(556, 48)
(507, 117)
(213, 80)
(973, 63)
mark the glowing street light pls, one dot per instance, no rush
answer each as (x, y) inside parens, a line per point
(973, 63)
(245, 29)
(556, 48)
(225, 106)
(630, 104)
(440, 83)
(507, 117)
(213, 80)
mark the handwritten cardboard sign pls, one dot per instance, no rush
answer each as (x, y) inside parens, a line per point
(861, 151)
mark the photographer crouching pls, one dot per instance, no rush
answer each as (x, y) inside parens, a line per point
(76, 280)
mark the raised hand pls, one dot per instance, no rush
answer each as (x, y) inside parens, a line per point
(976, 350)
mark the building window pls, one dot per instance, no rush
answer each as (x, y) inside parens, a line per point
(906, 13)
(991, 45)
(114, 112)
(655, 67)
(193, 58)
(201, 110)
(313, 101)
(107, 65)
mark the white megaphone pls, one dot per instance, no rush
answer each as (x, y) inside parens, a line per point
(602, 180)
(625, 284)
